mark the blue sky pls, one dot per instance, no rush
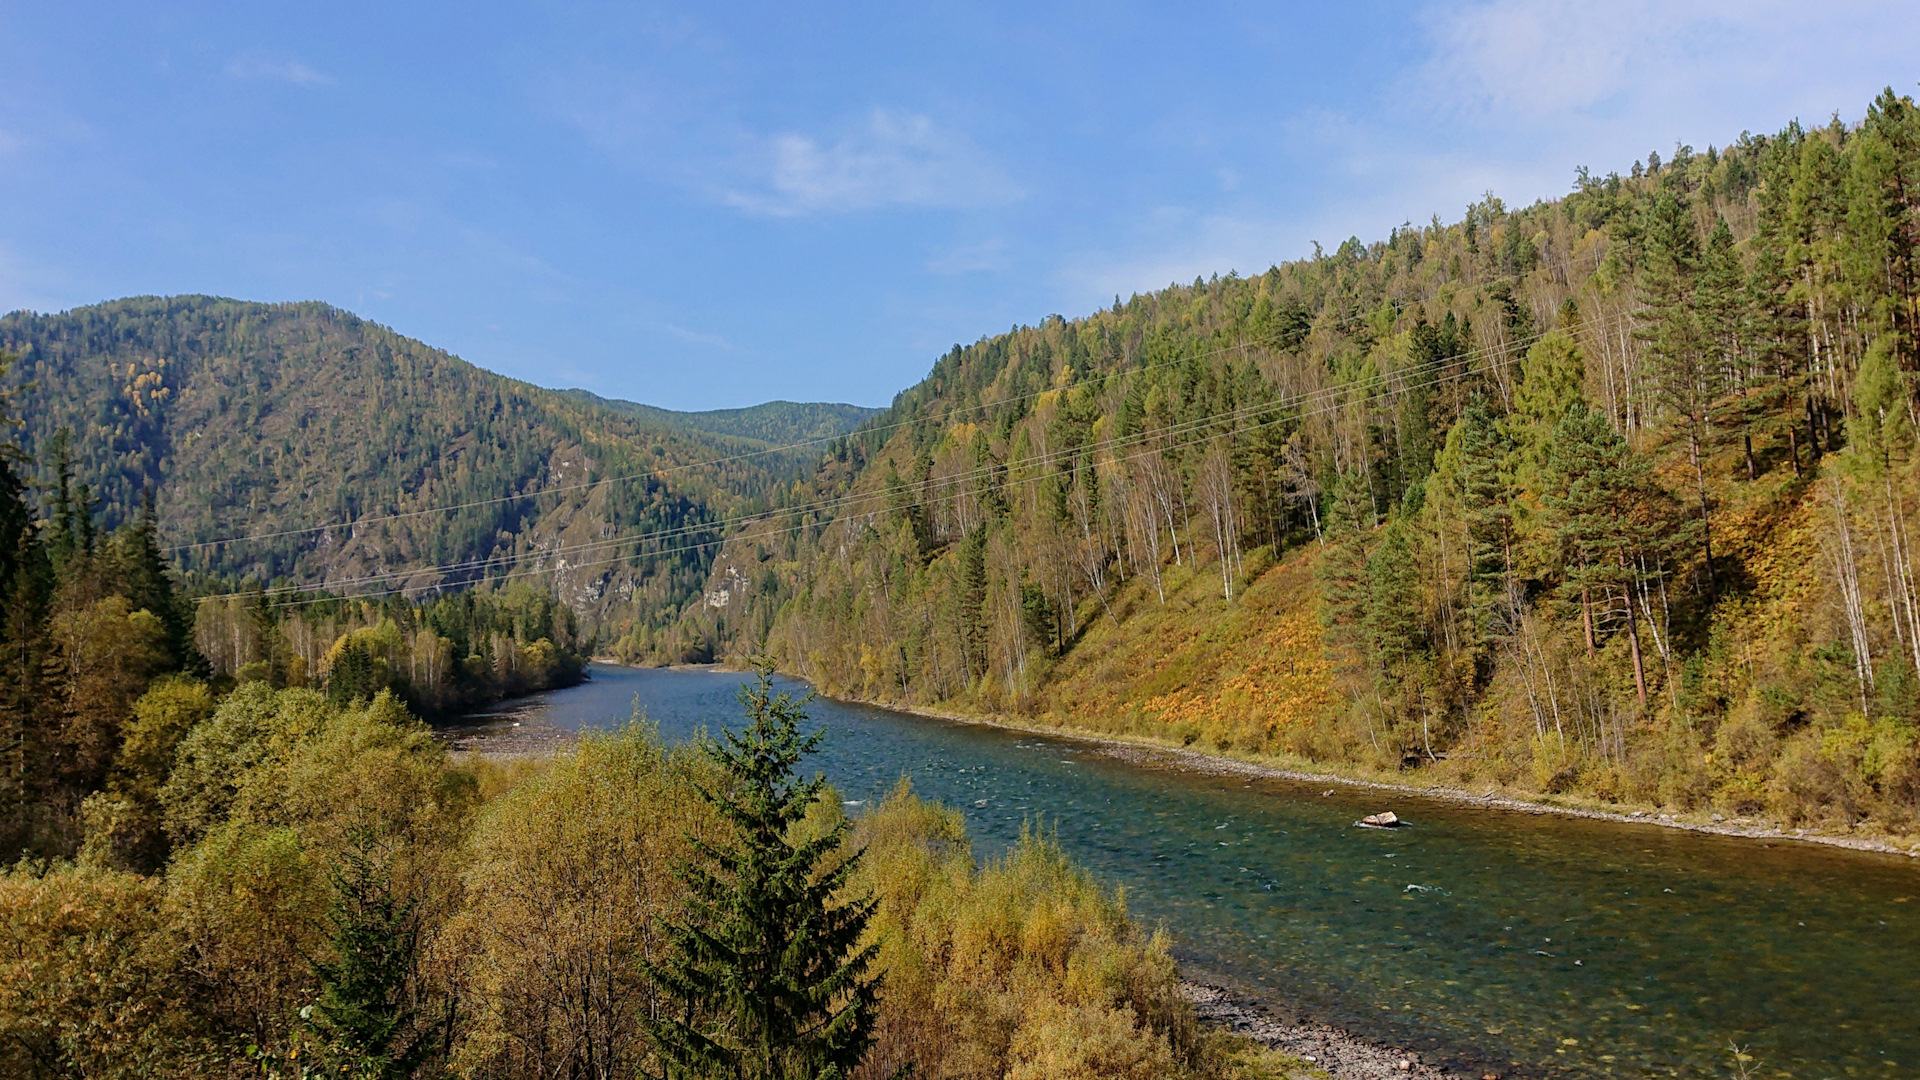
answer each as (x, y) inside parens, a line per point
(711, 205)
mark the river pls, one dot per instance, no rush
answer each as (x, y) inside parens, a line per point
(1537, 944)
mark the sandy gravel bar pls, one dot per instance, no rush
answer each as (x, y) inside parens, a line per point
(503, 739)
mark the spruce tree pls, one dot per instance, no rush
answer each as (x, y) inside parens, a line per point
(768, 964)
(970, 600)
(26, 591)
(1395, 613)
(356, 674)
(1882, 256)
(63, 531)
(1341, 572)
(1037, 618)
(141, 574)
(364, 1024)
(1686, 370)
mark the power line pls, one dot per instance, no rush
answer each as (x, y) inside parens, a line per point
(952, 480)
(684, 467)
(687, 466)
(1498, 357)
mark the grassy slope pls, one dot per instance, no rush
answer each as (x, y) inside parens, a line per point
(1252, 680)
(1196, 669)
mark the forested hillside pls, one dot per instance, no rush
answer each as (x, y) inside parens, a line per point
(298, 443)
(284, 873)
(1611, 494)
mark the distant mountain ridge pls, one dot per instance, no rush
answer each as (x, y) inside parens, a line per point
(796, 424)
(331, 447)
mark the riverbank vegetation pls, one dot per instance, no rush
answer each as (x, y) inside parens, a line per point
(342, 898)
(443, 655)
(1609, 496)
(109, 663)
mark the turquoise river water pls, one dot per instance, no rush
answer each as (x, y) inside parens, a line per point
(1526, 944)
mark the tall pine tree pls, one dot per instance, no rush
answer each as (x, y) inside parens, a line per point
(1686, 368)
(1617, 528)
(366, 1024)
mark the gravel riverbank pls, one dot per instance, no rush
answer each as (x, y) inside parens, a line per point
(508, 734)
(1142, 752)
(1341, 1055)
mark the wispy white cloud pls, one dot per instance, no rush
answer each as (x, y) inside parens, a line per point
(1636, 60)
(892, 159)
(257, 65)
(983, 257)
(1545, 57)
(697, 337)
(688, 136)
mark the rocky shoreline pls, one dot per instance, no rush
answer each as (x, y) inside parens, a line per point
(1338, 1053)
(1143, 752)
(506, 735)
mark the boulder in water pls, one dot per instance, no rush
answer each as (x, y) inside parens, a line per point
(1384, 820)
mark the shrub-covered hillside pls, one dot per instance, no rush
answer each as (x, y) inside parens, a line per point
(1612, 494)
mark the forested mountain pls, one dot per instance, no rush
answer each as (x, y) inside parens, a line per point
(1612, 494)
(279, 871)
(790, 426)
(297, 442)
